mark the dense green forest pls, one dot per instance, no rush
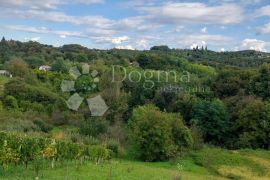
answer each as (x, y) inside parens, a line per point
(162, 103)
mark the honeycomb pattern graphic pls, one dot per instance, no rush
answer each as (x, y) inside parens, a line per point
(97, 105)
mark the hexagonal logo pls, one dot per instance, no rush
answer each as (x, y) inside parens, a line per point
(96, 105)
(74, 102)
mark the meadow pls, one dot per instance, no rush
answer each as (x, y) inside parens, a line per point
(208, 163)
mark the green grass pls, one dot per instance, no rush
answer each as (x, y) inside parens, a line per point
(116, 169)
(214, 158)
(208, 163)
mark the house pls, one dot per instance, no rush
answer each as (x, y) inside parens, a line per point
(5, 73)
(45, 68)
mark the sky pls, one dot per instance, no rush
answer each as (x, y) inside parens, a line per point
(221, 25)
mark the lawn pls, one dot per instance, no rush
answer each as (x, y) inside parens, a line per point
(209, 163)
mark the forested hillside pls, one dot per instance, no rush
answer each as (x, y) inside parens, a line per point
(161, 104)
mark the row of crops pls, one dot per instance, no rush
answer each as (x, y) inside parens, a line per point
(21, 150)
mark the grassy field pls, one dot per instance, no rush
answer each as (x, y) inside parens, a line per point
(209, 163)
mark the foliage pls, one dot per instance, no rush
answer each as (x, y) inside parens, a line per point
(212, 118)
(93, 127)
(253, 125)
(259, 84)
(60, 66)
(45, 127)
(17, 67)
(22, 91)
(227, 83)
(157, 135)
(18, 149)
(10, 102)
(234, 77)
(34, 61)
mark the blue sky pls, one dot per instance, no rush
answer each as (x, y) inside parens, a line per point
(139, 24)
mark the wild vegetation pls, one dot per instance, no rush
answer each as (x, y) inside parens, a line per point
(193, 109)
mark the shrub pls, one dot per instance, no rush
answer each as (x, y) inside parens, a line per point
(15, 149)
(10, 102)
(17, 67)
(42, 125)
(99, 153)
(22, 91)
(157, 135)
(113, 146)
(93, 127)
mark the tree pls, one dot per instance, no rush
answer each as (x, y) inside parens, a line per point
(81, 57)
(160, 48)
(3, 40)
(251, 123)
(259, 84)
(227, 83)
(157, 135)
(60, 66)
(143, 60)
(34, 61)
(85, 84)
(212, 118)
(4, 51)
(93, 127)
(17, 67)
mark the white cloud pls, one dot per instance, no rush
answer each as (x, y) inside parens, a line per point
(63, 36)
(142, 44)
(265, 29)
(32, 39)
(222, 50)
(204, 30)
(223, 27)
(119, 40)
(263, 11)
(242, 2)
(44, 5)
(179, 28)
(35, 39)
(44, 30)
(86, 1)
(95, 25)
(110, 40)
(203, 40)
(253, 44)
(129, 47)
(175, 13)
(199, 45)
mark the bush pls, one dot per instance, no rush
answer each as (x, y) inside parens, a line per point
(17, 67)
(157, 135)
(15, 149)
(10, 102)
(42, 125)
(94, 127)
(99, 153)
(22, 91)
(113, 146)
